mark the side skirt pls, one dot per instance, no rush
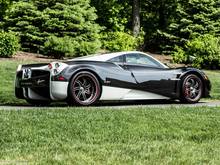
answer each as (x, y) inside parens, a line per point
(115, 93)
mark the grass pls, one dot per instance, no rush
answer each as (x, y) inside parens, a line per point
(214, 76)
(8, 69)
(7, 76)
(111, 136)
(98, 135)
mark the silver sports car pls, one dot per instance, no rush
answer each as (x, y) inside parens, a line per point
(115, 76)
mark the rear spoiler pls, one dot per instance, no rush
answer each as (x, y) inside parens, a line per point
(20, 67)
(33, 65)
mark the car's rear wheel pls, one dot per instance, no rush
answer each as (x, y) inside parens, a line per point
(192, 89)
(38, 102)
(84, 89)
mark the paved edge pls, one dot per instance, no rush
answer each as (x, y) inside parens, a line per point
(118, 106)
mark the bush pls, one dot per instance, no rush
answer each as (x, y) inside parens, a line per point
(205, 51)
(85, 47)
(119, 41)
(9, 44)
(59, 47)
(179, 55)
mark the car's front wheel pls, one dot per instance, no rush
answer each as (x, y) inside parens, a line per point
(84, 89)
(192, 89)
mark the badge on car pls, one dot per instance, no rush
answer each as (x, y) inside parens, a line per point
(26, 73)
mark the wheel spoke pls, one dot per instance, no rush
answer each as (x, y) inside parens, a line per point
(193, 82)
(79, 82)
(196, 85)
(197, 91)
(77, 88)
(79, 94)
(87, 91)
(88, 86)
(84, 96)
(191, 94)
(188, 84)
(84, 82)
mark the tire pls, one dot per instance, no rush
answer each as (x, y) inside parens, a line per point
(38, 102)
(191, 89)
(84, 89)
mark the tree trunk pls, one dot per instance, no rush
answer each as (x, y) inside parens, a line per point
(136, 17)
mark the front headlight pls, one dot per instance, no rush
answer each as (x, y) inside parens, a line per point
(56, 67)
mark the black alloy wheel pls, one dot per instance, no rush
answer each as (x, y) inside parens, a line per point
(192, 89)
(84, 89)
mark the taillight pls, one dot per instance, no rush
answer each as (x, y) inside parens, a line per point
(57, 67)
(61, 78)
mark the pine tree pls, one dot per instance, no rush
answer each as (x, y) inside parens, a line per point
(24, 19)
(4, 5)
(37, 21)
(193, 19)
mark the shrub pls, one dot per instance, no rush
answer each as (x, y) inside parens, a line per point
(119, 41)
(9, 44)
(205, 51)
(59, 47)
(179, 55)
(85, 47)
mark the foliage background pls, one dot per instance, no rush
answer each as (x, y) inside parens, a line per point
(89, 26)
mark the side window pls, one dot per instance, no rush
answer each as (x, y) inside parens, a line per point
(147, 61)
(118, 59)
(132, 58)
(141, 59)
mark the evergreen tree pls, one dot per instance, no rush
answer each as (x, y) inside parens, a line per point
(75, 21)
(24, 19)
(193, 19)
(155, 17)
(4, 5)
(37, 22)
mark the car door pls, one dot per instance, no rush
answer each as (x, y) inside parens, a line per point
(150, 75)
(120, 76)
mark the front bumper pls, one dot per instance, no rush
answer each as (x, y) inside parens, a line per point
(207, 89)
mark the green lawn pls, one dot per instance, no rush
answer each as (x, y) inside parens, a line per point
(214, 76)
(7, 75)
(111, 136)
(98, 135)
